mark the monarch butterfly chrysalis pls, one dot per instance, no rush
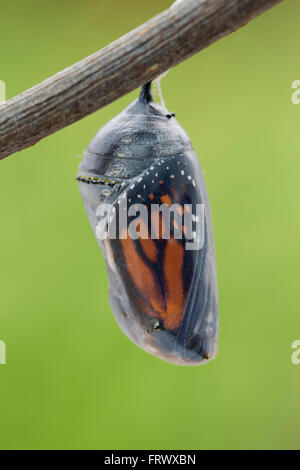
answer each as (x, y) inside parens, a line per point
(163, 295)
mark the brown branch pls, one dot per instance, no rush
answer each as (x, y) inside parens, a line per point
(129, 62)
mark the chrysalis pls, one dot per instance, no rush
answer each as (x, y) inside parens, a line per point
(145, 198)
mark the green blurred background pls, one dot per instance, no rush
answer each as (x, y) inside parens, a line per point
(72, 379)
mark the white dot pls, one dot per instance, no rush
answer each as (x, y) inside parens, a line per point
(182, 172)
(127, 140)
(189, 177)
(106, 192)
(172, 176)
